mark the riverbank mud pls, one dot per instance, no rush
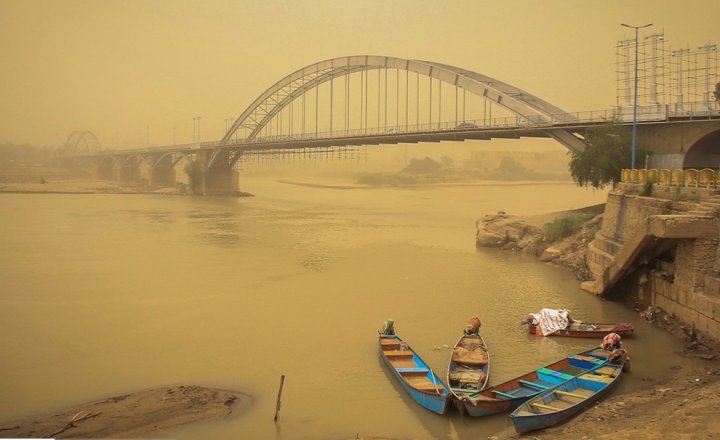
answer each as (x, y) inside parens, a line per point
(133, 415)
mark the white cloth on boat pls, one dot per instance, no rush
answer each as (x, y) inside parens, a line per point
(551, 320)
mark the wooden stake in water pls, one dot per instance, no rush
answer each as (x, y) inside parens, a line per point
(277, 405)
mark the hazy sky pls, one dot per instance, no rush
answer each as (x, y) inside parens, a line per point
(117, 67)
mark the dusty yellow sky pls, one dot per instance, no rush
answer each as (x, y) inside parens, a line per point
(116, 67)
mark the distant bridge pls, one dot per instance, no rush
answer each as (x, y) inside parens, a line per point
(306, 111)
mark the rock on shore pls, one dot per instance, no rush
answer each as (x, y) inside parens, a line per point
(526, 234)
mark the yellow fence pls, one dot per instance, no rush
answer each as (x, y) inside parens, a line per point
(704, 178)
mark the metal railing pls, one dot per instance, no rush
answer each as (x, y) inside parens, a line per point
(646, 113)
(688, 177)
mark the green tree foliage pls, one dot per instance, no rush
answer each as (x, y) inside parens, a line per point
(563, 226)
(608, 151)
(447, 162)
(422, 166)
(508, 165)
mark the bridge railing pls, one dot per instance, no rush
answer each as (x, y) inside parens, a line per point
(687, 177)
(507, 122)
(646, 113)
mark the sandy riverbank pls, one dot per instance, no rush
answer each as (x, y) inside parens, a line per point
(132, 415)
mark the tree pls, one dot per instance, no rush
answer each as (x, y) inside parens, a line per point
(193, 169)
(607, 152)
(447, 162)
(508, 165)
(422, 166)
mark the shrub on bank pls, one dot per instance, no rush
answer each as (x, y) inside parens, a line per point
(563, 226)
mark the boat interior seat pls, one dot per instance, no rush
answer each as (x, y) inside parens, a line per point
(398, 353)
(535, 385)
(557, 374)
(412, 370)
(429, 386)
(596, 378)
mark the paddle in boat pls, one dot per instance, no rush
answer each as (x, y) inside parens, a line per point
(552, 322)
(413, 374)
(564, 401)
(469, 368)
(509, 395)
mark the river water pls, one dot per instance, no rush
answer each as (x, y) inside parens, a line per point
(103, 295)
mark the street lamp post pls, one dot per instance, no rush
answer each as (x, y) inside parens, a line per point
(635, 103)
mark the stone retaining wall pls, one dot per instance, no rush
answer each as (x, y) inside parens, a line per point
(683, 279)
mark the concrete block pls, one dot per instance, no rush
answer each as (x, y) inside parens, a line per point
(712, 285)
(708, 327)
(699, 302)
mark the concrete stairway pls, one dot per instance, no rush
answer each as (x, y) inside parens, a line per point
(709, 207)
(697, 223)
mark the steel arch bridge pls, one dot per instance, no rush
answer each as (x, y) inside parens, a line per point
(526, 107)
(79, 142)
(288, 118)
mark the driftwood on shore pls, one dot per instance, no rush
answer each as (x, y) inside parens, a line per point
(133, 415)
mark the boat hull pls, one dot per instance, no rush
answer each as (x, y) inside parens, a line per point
(600, 330)
(566, 400)
(509, 395)
(413, 374)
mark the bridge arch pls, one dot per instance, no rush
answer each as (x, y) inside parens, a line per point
(281, 94)
(705, 152)
(82, 142)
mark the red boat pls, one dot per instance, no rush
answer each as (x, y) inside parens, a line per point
(589, 330)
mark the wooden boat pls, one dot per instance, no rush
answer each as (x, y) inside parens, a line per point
(469, 368)
(414, 374)
(562, 402)
(589, 330)
(509, 395)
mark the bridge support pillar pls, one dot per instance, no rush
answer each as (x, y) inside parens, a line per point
(162, 174)
(218, 181)
(162, 177)
(104, 170)
(129, 173)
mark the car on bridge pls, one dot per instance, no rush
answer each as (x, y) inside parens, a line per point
(466, 125)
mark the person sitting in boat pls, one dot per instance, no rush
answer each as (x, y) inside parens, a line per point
(473, 326)
(388, 328)
(612, 342)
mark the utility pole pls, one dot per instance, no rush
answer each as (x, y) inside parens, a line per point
(635, 103)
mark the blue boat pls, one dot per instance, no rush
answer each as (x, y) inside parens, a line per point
(507, 396)
(414, 374)
(559, 403)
